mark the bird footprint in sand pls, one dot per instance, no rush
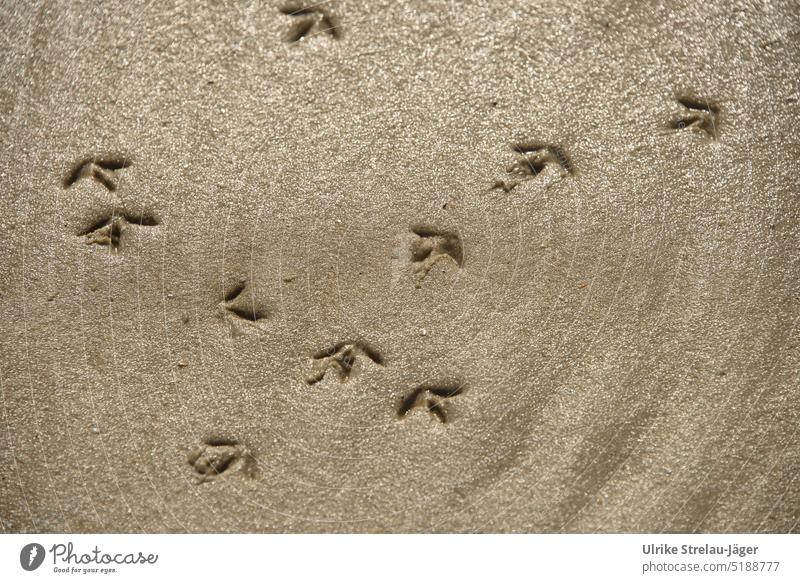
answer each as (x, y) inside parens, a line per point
(109, 230)
(342, 358)
(309, 18)
(532, 160)
(432, 398)
(432, 245)
(217, 457)
(101, 169)
(697, 116)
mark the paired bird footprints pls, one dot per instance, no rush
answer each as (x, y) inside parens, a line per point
(219, 457)
(695, 115)
(342, 359)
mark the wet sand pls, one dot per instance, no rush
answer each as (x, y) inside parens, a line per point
(432, 267)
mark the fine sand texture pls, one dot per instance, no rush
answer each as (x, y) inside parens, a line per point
(400, 266)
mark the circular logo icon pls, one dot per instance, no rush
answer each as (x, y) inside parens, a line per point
(31, 556)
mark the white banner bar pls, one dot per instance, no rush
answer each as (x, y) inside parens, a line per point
(353, 558)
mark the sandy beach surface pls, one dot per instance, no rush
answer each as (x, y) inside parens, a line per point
(400, 266)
